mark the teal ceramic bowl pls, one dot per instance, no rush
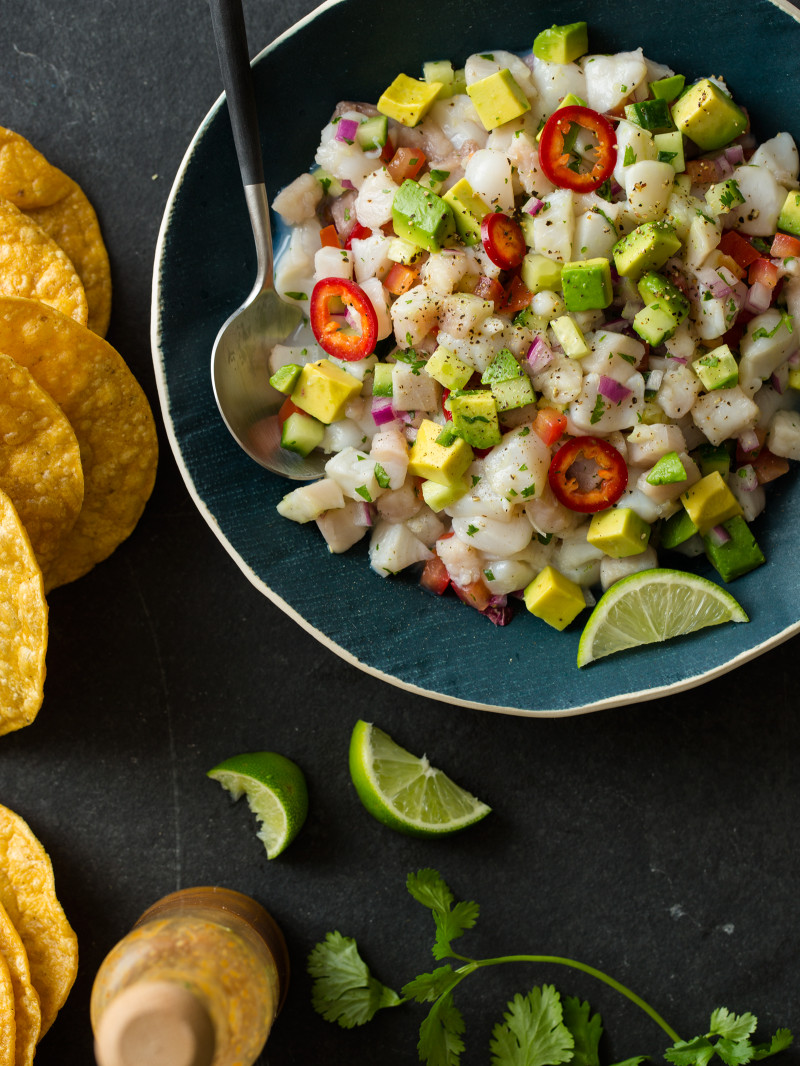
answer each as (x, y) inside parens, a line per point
(205, 266)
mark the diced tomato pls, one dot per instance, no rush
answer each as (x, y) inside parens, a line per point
(738, 248)
(288, 408)
(446, 410)
(357, 233)
(701, 171)
(768, 466)
(743, 456)
(405, 163)
(558, 156)
(503, 240)
(550, 425)
(476, 594)
(400, 279)
(333, 332)
(517, 296)
(784, 246)
(489, 289)
(763, 271)
(388, 151)
(435, 578)
(329, 237)
(587, 474)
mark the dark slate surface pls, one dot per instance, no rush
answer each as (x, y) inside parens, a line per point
(658, 842)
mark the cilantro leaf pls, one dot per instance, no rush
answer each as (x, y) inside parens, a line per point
(734, 1052)
(344, 991)
(733, 1026)
(632, 1061)
(695, 1052)
(429, 986)
(440, 1042)
(586, 1029)
(428, 888)
(779, 1042)
(533, 1032)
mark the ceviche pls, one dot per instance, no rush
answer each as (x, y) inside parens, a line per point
(549, 325)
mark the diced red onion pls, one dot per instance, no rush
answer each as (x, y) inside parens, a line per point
(617, 325)
(346, 130)
(501, 616)
(735, 154)
(382, 410)
(411, 433)
(794, 359)
(540, 355)
(716, 285)
(616, 188)
(404, 416)
(719, 536)
(777, 383)
(747, 478)
(347, 184)
(612, 389)
(724, 167)
(758, 298)
(363, 516)
(679, 359)
(748, 441)
(533, 206)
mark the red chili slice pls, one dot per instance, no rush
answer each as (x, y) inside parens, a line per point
(597, 483)
(558, 157)
(503, 240)
(333, 332)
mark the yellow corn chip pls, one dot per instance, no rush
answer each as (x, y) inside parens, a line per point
(23, 624)
(8, 1024)
(72, 224)
(26, 178)
(40, 460)
(33, 265)
(27, 891)
(26, 1001)
(111, 418)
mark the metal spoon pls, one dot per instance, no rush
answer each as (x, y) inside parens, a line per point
(240, 358)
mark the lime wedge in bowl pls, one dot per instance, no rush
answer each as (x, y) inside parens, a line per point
(652, 606)
(405, 792)
(276, 793)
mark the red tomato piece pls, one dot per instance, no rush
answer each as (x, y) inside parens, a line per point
(503, 240)
(329, 238)
(400, 279)
(560, 160)
(768, 466)
(357, 233)
(405, 163)
(784, 246)
(738, 248)
(742, 456)
(489, 289)
(550, 425)
(764, 271)
(288, 408)
(476, 594)
(333, 332)
(587, 474)
(434, 576)
(516, 296)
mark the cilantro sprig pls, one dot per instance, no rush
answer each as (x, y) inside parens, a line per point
(537, 1029)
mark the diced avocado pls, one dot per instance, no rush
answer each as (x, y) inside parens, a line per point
(789, 218)
(655, 323)
(562, 44)
(421, 216)
(711, 457)
(475, 417)
(382, 379)
(503, 367)
(301, 433)
(647, 247)
(668, 88)
(587, 284)
(498, 99)
(324, 390)
(442, 71)
(793, 380)
(652, 115)
(710, 502)
(708, 116)
(668, 470)
(736, 556)
(407, 100)
(717, 369)
(652, 414)
(669, 149)
(402, 251)
(724, 196)
(513, 393)
(285, 378)
(445, 367)
(619, 532)
(468, 209)
(655, 288)
(538, 273)
(437, 495)
(554, 598)
(372, 132)
(678, 528)
(448, 435)
(434, 179)
(569, 336)
(444, 464)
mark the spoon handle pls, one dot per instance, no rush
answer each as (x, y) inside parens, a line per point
(231, 37)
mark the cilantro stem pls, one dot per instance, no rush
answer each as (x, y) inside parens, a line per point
(592, 971)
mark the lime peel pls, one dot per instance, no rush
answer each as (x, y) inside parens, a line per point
(652, 606)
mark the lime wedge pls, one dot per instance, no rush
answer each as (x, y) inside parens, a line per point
(652, 606)
(404, 792)
(276, 794)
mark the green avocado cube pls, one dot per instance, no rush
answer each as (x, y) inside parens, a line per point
(438, 496)
(724, 196)
(562, 44)
(717, 369)
(498, 99)
(442, 463)
(647, 247)
(587, 284)
(475, 417)
(710, 502)
(440, 70)
(407, 100)
(513, 393)
(422, 217)
(445, 367)
(668, 470)
(570, 336)
(707, 115)
(678, 528)
(619, 532)
(736, 556)
(301, 433)
(655, 323)
(668, 88)
(554, 598)
(669, 149)
(285, 378)
(468, 210)
(540, 273)
(382, 380)
(655, 288)
(652, 115)
(503, 367)
(789, 218)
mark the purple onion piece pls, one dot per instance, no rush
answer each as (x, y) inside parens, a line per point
(612, 389)
(500, 616)
(346, 130)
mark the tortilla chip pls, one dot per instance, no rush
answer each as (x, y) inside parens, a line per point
(72, 224)
(111, 418)
(26, 1001)
(40, 460)
(27, 891)
(8, 1024)
(26, 178)
(33, 265)
(23, 624)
